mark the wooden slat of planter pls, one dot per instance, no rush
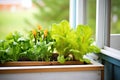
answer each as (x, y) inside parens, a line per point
(40, 63)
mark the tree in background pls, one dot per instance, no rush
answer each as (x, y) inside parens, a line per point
(51, 11)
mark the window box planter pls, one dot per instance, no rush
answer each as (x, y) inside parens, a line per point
(93, 71)
(39, 46)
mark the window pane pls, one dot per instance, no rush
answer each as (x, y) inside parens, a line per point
(91, 14)
(115, 17)
(115, 24)
(22, 15)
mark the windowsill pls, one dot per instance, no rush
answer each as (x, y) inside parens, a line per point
(111, 52)
(57, 68)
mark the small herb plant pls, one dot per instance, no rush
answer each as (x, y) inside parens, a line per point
(39, 44)
(73, 43)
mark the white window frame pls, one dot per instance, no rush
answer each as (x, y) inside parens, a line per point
(77, 12)
(102, 19)
(103, 23)
(103, 15)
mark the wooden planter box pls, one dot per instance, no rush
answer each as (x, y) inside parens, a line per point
(40, 63)
(94, 71)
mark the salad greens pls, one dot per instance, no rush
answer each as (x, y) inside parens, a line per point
(39, 44)
(76, 42)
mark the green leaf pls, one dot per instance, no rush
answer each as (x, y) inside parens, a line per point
(61, 59)
(86, 60)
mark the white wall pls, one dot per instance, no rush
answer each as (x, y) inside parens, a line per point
(82, 75)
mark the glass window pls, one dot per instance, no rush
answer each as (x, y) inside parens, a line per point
(115, 24)
(91, 14)
(115, 16)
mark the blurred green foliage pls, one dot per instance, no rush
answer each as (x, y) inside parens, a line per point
(91, 17)
(15, 21)
(51, 11)
(115, 17)
(46, 12)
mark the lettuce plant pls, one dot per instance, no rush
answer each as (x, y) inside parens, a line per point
(76, 42)
(10, 48)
